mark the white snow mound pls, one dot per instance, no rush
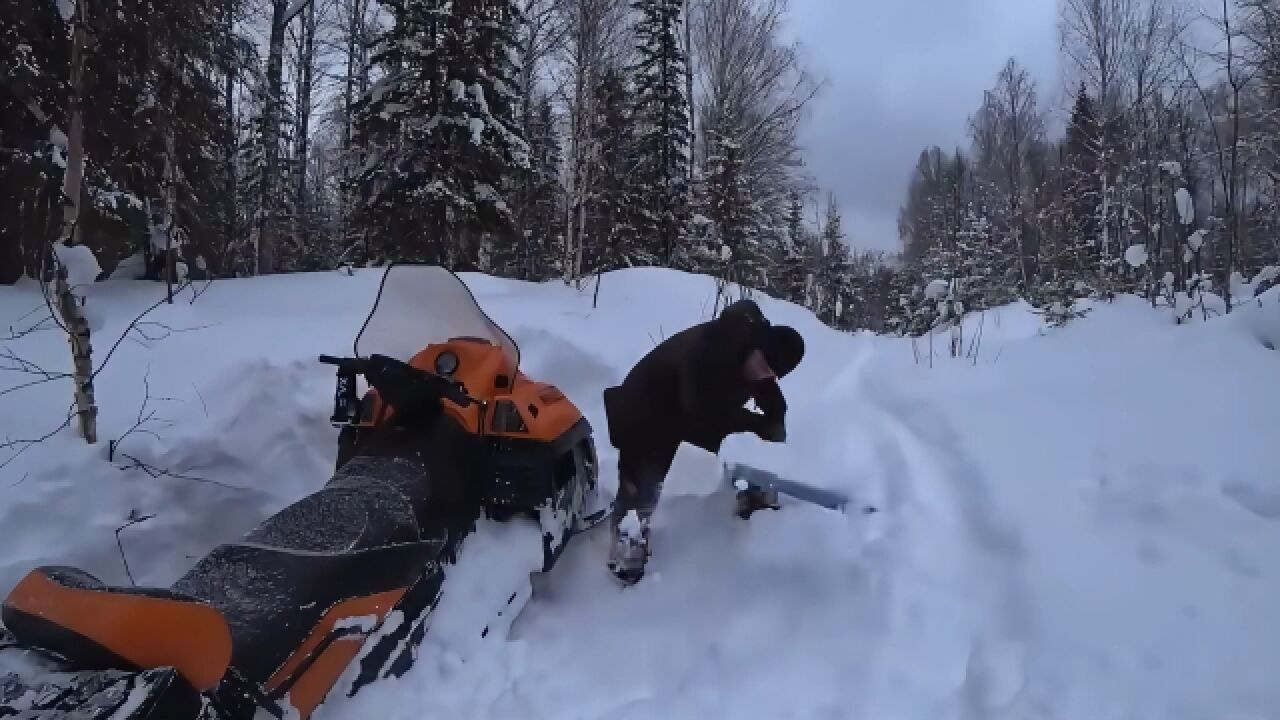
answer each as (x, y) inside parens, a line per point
(1071, 523)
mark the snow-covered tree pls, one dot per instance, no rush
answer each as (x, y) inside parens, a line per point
(539, 201)
(440, 133)
(1008, 128)
(33, 88)
(752, 88)
(793, 273)
(596, 35)
(609, 236)
(730, 208)
(662, 126)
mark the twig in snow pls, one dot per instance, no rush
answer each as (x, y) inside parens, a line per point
(144, 417)
(156, 473)
(166, 329)
(203, 404)
(26, 366)
(133, 519)
(196, 293)
(33, 383)
(975, 345)
(26, 444)
(130, 328)
(41, 325)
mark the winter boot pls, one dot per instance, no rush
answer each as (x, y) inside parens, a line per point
(630, 549)
(753, 499)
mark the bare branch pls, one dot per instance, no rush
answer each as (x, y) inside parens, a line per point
(157, 472)
(145, 417)
(130, 327)
(133, 519)
(26, 444)
(203, 404)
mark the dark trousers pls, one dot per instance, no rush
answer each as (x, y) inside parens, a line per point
(642, 471)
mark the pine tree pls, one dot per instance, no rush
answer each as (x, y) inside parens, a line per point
(832, 275)
(441, 134)
(609, 233)
(540, 198)
(181, 132)
(662, 122)
(152, 123)
(35, 44)
(1069, 266)
(729, 208)
(793, 273)
(1082, 195)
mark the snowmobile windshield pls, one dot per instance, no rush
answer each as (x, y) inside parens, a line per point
(419, 305)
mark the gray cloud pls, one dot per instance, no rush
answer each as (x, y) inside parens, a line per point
(902, 75)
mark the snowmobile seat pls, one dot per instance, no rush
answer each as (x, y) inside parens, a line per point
(409, 476)
(73, 614)
(274, 598)
(366, 515)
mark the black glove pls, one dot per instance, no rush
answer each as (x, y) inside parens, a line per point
(771, 430)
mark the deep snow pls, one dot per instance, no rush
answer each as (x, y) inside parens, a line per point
(1075, 523)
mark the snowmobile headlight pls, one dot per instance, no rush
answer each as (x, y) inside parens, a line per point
(447, 363)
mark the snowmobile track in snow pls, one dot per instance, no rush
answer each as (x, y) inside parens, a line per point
(937, 489)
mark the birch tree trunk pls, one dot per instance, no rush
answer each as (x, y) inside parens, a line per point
(68, 307)
(596, 33)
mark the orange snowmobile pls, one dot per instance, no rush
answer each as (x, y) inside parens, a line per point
(337, 590)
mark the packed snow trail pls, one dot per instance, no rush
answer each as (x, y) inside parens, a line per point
(1077, 523)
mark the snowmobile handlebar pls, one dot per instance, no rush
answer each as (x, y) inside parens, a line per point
(399, 383)
(354, 365)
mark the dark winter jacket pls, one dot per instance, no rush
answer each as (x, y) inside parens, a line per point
(692, 387)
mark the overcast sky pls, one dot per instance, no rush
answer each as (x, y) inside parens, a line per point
(903, 75)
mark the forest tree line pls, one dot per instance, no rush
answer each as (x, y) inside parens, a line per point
(541, 139)
(1163, 183)
(527, 138)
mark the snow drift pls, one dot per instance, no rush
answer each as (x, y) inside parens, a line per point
(1076, 523)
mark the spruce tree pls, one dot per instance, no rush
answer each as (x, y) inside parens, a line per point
(441, 135)
(1082, 196)
(609, 234)
(662, 121)
(152, 123)
(179, 130)
(832, 273)
(537, 255)
(34, 41)
(1069, 267)
(729, 206)
(793, 274)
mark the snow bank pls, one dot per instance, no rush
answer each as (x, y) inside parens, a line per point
(1078, 523)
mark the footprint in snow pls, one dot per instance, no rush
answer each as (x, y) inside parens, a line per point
(1261, 501)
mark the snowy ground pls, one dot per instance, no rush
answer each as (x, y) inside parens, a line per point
(1081, 524)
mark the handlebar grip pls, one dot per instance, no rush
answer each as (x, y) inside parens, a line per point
(330, 360)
